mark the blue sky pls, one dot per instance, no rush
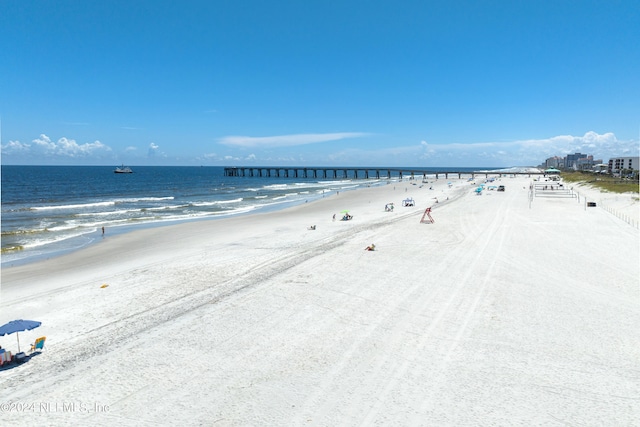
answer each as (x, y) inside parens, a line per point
(357, 83)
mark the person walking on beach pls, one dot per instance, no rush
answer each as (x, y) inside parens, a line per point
(334, 217)
(103, 231)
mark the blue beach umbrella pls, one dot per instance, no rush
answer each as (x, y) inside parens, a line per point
(18, 326)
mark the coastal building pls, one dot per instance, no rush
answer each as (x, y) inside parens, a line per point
(554, 162)
(619, 164)
(576, 161)
(571, 159)
(586, 163)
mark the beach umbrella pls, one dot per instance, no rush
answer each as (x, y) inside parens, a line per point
(346, 211)
(18, 326)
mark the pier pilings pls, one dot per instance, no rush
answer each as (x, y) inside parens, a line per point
(355, 172)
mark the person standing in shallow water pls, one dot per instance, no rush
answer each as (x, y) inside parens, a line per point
(103, 231)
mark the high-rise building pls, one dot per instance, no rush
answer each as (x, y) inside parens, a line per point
(571, 159)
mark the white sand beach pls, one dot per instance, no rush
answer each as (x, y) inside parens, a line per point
(503, 312)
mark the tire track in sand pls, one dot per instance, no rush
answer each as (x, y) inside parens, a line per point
(470, 304)
(412, 303)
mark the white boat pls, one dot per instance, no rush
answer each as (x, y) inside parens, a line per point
(123, 169)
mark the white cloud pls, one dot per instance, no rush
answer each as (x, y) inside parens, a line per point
(287, 140)
(13, 147)
(45, 143)
(528, 152)
(69, 147)
(64, 148)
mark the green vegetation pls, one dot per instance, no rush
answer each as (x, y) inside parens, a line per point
(603, 182)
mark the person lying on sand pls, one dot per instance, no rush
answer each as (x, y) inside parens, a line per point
(371, 247)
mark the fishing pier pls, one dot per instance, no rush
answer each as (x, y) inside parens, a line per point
(355, 173)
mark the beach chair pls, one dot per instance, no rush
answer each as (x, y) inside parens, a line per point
(38, 344)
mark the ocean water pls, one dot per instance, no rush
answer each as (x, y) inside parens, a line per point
(49, 210)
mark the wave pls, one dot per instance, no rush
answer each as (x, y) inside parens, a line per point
(100, 204)
(194, 214)
(69, 225)
(216, 202)
(164, 208)
(56, 239)
(23, 232)
(143, 199)
(108, 213)
(336, 182)
(12, 248)
(235, 211)
(229, 201)
(78, 206)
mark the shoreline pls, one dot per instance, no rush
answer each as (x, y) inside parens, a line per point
(86, 240)
(145, 232)
(47, 246)
(481, 317)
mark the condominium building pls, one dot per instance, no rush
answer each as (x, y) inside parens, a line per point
(618, 164)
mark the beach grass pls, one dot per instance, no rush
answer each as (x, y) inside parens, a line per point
(603, 182)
